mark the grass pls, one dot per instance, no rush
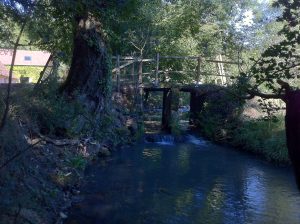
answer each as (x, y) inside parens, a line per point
(221, 120)
(263, 137)
(78, 162)
(266, 138)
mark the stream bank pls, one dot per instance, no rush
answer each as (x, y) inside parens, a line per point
(39, 186)
(41, 171)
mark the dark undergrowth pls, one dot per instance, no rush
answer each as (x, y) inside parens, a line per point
(222, 120)
(263, 137)
(266, 138)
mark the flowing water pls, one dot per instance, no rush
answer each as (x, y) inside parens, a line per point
(186, 183)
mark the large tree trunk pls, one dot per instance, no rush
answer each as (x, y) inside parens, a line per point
(89, 75)
(292, 123)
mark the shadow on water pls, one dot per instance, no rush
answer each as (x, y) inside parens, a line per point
(191, 182)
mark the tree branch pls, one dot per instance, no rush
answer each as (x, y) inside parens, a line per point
(7, 100)
(254, 93)
(284, 86)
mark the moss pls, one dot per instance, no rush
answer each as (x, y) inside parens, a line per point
(78, 162)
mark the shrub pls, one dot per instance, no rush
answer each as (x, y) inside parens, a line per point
(263, 137)
(78, 162)
(220, 113)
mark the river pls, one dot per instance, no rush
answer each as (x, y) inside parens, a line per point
(185, 183)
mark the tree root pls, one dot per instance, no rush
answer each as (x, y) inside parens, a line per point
(59, 142)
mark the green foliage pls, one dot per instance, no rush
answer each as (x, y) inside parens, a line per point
(263, 137)
(33, 72)
(78, 162)
(122, 131)
(211, 126)
(55, 116)
(220, 113)
(280, 61)
(270, 108)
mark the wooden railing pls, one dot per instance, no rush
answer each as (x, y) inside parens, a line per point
(138, 79)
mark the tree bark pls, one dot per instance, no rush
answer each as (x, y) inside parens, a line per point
(167, 110)
(89, 75)
(292, 124)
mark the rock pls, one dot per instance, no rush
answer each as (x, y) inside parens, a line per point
(75, 191)
(97, 146)
(63, 215)
(104, 152)
(132, 126)
(30, 215)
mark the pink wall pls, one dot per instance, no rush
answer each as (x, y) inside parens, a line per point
(38, 58)
(4, 73)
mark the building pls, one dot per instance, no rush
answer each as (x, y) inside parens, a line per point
(27, 63)
(4, 75)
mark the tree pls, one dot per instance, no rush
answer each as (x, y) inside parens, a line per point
(55, 23)
(20, 15)
(274, 75)
(89, 74)
(176, 28)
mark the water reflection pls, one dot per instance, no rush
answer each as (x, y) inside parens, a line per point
(182, 184)
(153, 155)
(184, 160)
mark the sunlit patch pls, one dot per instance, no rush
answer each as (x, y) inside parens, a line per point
(154, 155)
(196, 141)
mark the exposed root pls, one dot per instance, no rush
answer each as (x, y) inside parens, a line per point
(59, 142)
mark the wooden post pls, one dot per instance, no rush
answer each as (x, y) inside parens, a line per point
(146, 99)
(140, 83)
(167, 110)
(140, 73)
(132, 72)
(220, 68)
(239, 63)
(196, 106)
(43, 72)
(157, 69)
(198, 70)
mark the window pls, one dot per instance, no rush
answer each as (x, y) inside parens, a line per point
(27, 58)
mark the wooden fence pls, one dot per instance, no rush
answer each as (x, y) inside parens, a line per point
(122, 63)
